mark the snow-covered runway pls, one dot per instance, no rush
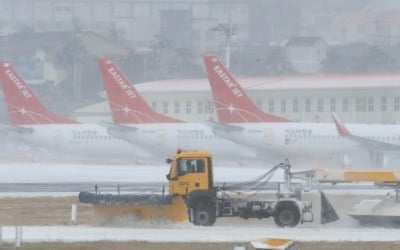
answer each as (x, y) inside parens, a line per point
(198, 234)
(58, 172)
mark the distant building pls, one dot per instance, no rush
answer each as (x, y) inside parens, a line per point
(381, 28)
(48, 57)
(306, 54)
(363, 99)
(141, 23)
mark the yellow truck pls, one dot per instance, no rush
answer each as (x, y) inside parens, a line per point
(193, 196)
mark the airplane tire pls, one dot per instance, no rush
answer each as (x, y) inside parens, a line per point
(286, 214)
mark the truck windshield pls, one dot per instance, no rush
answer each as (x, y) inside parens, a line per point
(190, 166)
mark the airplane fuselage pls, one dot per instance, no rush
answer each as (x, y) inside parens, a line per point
(309, 139)
(165, 138)
(82, 139)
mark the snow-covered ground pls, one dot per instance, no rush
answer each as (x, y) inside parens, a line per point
(198, 234)
(77, 173)
(55, 173)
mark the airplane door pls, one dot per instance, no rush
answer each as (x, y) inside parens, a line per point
(57, 138)
(268, 137)
(161, 139)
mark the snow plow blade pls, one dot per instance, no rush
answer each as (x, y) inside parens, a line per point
(124, 199)
(328, 213)
(107, 207)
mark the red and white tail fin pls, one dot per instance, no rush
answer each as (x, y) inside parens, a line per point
(340, 127)
(233, 105)
(126, 104)
(23, 105)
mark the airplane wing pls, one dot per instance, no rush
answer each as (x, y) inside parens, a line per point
(369, 144)
(13, 130)
(118, 130)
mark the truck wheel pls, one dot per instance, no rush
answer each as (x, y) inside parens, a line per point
(286, 215)
(204, 215)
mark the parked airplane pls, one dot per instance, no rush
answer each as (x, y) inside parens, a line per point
(375, 144)
(156, 132)
(36, 125)
(241, 121)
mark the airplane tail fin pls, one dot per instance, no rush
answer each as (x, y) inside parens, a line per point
(126, 104)
(233, 105)
(341, 128)
(24, 107)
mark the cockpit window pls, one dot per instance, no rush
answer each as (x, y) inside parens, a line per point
(190, 166)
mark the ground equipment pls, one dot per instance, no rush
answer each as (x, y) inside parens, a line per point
(273, 244)
(193, 196)
(386, 210)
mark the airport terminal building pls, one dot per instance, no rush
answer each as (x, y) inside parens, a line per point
(355, 99)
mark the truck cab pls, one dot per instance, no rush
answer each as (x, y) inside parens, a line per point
(191, 176)
(190, 171)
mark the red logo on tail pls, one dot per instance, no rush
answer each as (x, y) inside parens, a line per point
(23, 105)
(232, 103)
(126, 104)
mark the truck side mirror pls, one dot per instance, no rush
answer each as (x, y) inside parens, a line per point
(168, 160)
(171, 179)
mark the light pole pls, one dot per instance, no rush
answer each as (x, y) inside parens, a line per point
(228, 30)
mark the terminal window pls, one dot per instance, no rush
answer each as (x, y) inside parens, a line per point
(308, 105)
(210, 107)
(360, 105)
(345, 105)
(200, 107)
(154, 105)
(370, 104)
(177, 107)
(188, 107)
(259, 103)
(295, 105)
(271, 106)
(320, 107)
(383, 103)
(397, 104)
(333, 105)
(283, 106)
(165, 107)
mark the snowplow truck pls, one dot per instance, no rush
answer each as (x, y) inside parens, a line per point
(193, 196)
